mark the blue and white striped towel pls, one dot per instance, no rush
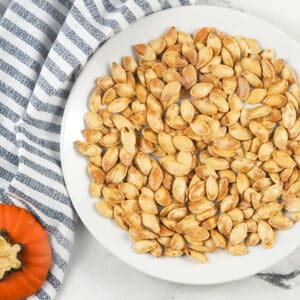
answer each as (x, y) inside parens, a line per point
(43, 46)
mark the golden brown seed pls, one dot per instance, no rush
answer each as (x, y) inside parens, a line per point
(228, 203)
(242, 182)
(217, 163)
(238, 233)
(265, 151)
(158, 45)
(197, 233)
(173, 59)
(144, 246)
(205, 54)
(144, 163)
(145, 51)
(292, 205)
(288, 113)
(243, 88)
(105, 209)
(265, 231)
(147, 204)
(128, 139)
(239, 132)
(88, 149)
(202, 34)
(116, 174)
(219, 101)
(242, 165)
(118, 73)
(199, 127)
(251, 65)
(170, 93)
(166, 143)
(256, 96)
(258, 111)
(252, 79)
(177, 242)
(268, 71)
(129, 64)
(177, 213)
(118, 105)
(93, 121)
(218, 239)
(162, 196)
(150, 221)
(253, 239)
(275, 100)
(221, 71)
(280, 221)
(197, 256)
(283, 159)
(237, 249)
(179, 188)
(205, 107)
(187, 110)
(214, 42)
(211, 188)
(173, 253)
(155, 177)
(259, 131)
(201, 90)
(96, 189)
(225, 224)
(232, 46)
(229, 84)
(179, 165)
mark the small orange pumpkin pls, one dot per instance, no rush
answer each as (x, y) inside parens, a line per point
(35, 254)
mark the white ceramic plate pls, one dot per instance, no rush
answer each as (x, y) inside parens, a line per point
(221, 267)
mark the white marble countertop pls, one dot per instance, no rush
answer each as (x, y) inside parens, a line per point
(94, 273)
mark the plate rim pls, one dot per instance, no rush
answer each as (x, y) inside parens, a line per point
(67, 112)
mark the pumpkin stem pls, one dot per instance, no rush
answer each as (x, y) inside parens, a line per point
(9, 252)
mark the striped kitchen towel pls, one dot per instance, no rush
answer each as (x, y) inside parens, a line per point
(43, 46)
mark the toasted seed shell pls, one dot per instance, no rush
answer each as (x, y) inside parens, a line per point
(217, 163)
(198, 256)
(205, 54)
(105, 209)
(252, 65)
(118, 105)
(221, 71)
(237, 249)
(93, 121)
(225, 224)
(238, 233)
(239, 132)
(162, 196)
(280, 221)
(211, 188)
(283, 159)
(256, 96)
(197, 233)
(232, 46)
(150, 221)
(265, 231)
(118, 73)
(259, 131)
(144, 246)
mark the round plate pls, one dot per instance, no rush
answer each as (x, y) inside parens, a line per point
(221, 266)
